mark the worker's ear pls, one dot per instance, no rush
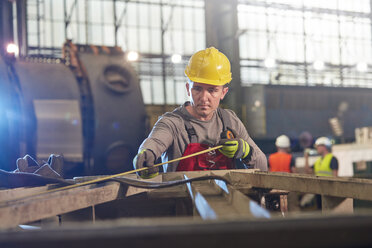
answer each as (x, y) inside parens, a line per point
(224, 92)
(188, 88)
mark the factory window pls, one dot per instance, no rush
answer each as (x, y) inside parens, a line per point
(305, 42)
(156, 29)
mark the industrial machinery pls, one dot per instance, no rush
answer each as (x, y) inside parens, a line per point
(10, 135)
(91, 112)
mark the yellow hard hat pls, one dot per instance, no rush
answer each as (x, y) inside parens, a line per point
(209, 66)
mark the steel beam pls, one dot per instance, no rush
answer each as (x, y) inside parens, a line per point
(331, 186)
(221, 27)
(24, 210)
(22, 27)
(215, 200)
(6, 25)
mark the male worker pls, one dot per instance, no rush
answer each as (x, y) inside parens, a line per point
(282, 160)
(199, 124)
(327, 164)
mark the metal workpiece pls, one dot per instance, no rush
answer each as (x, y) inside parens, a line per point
(50, 102)
(15, 212)
(10, 124)
(209, 198)
(215, 199)
(98, 215)
(86, 106)
(213, 212)
(330, 186)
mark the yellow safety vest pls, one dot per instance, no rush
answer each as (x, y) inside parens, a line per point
(322, 166)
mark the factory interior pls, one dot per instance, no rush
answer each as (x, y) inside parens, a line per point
(185, 123)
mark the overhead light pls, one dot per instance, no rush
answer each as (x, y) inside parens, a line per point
(12, 49)
(132, 56)
(318, 65)
(336, 126)
(362, 67)
(270, 63)
(176, 58)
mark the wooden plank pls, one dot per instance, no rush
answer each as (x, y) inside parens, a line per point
(130, 190)
(332, 186)
(13, 213)
(9, 194)
(179, 191)
(134, 190)
(170, 176)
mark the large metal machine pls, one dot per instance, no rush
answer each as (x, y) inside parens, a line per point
(51, 112)
(119, 112)
(10, 135)
(95, 119)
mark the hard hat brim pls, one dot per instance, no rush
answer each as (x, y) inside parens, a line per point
(210, 82)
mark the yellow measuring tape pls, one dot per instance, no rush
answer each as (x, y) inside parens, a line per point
(120, 174)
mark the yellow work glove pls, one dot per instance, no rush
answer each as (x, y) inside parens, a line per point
(234, 148)
(145, 158)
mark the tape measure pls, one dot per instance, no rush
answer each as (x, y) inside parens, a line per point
(227, 134)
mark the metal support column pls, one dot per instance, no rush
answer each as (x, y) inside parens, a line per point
(221, 21)
(163, 62)
(6, 25)
(22, 27)
(370, 15)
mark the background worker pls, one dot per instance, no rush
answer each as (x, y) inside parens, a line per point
(282, 160)
(325, 166)
(199, 124)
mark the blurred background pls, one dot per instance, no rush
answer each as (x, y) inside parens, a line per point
(88, 78)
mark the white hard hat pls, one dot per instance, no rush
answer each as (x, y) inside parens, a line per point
(323, 141)
(283, 141)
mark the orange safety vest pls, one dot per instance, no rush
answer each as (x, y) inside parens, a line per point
(280, 161)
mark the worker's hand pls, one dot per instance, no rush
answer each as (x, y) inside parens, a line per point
(234, 148)
(306, 153)
(146, 158)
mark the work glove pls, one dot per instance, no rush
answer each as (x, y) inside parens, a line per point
(234, 148)
(146, 158)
